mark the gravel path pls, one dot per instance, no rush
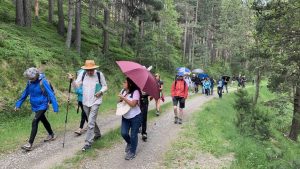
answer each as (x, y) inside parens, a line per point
(47, 155)
(161, 132)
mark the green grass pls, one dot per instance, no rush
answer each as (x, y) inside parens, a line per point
(213, 131)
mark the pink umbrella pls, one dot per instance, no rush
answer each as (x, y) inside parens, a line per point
(141, 77)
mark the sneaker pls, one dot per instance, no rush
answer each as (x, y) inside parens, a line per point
(176, 120)
(86, 147)
(128, 146)
(79, 131)
(157, 113)
(130, 156)
(144, 137)
(97, 137)
(50, 137)
(27, 147)
(179, 121)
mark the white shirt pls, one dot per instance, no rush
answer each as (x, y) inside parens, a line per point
(133, 110)
(88, 88)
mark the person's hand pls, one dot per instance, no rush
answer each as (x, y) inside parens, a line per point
(121, 97)
(16, 109)
(70, 76)
(99, 94)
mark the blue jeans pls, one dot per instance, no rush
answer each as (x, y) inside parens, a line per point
(133, 125)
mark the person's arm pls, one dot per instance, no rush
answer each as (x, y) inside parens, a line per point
(22, 98)
(134, 101)
(173, 89)
(104, 87)
(186, 91)
(51, 95)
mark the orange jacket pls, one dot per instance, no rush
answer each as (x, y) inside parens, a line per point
(181, 89)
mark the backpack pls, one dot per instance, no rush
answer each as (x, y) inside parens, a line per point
(183, 83)
(98, 75)
(43, 88)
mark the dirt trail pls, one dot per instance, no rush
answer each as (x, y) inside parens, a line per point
(47, 155)
(161, 132)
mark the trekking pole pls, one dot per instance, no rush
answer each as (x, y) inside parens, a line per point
(66, 120)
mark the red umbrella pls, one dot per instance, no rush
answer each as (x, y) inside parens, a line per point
(141, 77)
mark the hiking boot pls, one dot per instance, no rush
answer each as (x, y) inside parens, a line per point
(50, 137)
(157, 113)
(27, 147)
(97, 137)
(144, 137)
(86, 147)
(130, 156)
(179, 121)
(79, 131)
(127, 148)
(176, 120)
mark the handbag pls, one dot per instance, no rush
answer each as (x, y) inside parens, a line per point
(122, 108)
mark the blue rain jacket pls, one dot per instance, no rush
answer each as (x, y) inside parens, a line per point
(39, 100)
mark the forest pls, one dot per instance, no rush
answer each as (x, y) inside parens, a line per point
(258, 39)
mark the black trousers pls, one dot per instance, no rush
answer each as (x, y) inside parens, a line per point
(83, 116)
(144, 110)
(39, 116)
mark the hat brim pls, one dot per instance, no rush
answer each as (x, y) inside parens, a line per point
(88, 68)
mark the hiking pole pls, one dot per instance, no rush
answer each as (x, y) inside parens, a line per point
(66, 120)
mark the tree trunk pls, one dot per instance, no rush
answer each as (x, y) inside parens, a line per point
(50, 10)
(61, 19)
(19, 13)
(257, 86)
(36, 9)
(105, 31)
(27, 12)
(70, 23)
(78, 26)
(90, 13)
(123, 39)
(185, 34)
(296, 116)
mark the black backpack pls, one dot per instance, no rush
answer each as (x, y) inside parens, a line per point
(98, 75)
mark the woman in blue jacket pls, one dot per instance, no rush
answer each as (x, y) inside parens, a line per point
(41, 95)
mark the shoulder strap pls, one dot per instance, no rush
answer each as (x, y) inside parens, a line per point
(42, 86)
(98, 75)
(83, 75)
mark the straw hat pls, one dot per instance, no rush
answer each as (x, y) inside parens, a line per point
(89, 64)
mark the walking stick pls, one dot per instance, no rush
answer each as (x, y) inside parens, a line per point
(66, 120)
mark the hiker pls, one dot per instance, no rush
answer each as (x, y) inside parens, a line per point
(179, 93)
(93, 86)
(131, 121)
(207, 86)
(84, 118)
(220, 87)
(144, 104)
(161, 86)
(41, 95)
(225, 84)
(212, 84)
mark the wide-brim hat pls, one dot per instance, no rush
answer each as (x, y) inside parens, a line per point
(89, 64)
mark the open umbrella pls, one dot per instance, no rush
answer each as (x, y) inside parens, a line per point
(141, 77)
(184, 70)
(226, 77)
(203, 75)
(197, 71)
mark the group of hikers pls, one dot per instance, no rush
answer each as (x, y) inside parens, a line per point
(90, 85)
